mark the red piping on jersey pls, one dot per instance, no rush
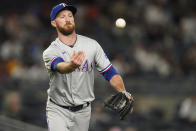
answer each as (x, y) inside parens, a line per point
(107, 68)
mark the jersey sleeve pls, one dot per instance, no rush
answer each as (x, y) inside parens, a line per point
(101, 60)
(51, 59)
(110, 73)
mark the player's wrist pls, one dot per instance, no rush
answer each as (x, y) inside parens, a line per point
(73, 65)
(127, 94)
(66, 67)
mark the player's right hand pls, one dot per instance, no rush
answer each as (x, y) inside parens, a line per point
(77, 58)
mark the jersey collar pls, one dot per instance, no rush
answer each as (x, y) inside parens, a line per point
(62, 44)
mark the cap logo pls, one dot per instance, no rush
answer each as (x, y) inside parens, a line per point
(63, 4)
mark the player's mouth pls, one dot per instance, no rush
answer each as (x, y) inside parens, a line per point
(68, 25)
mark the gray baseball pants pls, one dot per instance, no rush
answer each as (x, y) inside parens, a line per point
(61, 119)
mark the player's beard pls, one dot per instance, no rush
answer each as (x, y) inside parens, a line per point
(67, 29)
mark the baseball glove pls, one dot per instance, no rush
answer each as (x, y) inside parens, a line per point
(120, 103)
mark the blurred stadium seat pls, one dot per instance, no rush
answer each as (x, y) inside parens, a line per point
(8, 124)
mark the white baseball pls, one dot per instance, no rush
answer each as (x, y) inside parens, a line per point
(120, 23)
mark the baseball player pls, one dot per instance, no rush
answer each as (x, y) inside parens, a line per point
(70, 61)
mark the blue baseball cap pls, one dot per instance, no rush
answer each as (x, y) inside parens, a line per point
(57, 8)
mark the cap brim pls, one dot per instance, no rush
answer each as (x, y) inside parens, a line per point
(70, 7)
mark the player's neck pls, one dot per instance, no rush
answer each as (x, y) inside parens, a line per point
(69, 39)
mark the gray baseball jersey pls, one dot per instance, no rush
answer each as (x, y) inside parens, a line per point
(77, 87)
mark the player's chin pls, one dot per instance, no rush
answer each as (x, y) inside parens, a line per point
(69, 28)
(67, 31)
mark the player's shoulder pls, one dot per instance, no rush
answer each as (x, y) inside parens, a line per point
(86, 39)
(51, 48)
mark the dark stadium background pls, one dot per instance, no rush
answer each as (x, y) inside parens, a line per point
(155, 54)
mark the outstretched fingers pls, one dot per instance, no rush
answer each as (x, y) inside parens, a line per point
(77, 58)
(80, 57)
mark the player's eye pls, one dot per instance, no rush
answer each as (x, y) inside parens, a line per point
(62, 16)
(70, 15)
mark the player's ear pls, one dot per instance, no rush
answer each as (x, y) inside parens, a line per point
(53, 23)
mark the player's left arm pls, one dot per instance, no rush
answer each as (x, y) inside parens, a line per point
(108, 71)
(115, 80)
